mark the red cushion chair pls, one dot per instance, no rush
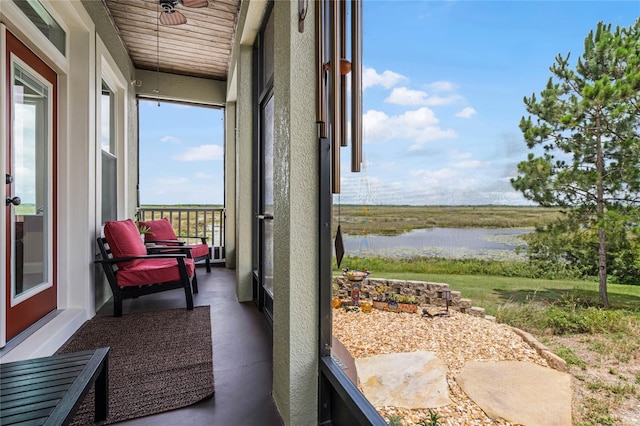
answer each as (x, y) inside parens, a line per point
(131, 272)
(161, 232)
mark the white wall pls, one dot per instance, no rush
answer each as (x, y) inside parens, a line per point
(78, 76)
(76, 114)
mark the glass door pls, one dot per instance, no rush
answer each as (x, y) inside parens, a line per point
(30, 199)
(265, 215)
(263, 177)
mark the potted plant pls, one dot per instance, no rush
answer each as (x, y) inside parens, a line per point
(143, 230)
(379, 296)
(402, 303)
(353, 275)
(407, 303)
(392, 303)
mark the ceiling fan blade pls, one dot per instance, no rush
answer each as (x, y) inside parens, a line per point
(172, 18)
(195, 3)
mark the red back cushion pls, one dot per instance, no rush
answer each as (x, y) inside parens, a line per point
(124, 240)
(160, 229)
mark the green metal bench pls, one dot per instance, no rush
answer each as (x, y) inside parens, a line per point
(49, 390)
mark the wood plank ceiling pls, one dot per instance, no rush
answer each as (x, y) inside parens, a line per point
(199, 48)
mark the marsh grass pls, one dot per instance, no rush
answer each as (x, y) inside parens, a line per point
(395, 220)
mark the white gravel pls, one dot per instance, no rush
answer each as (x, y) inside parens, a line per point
(455, 339)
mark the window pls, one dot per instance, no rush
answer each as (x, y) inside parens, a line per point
(109, 158)
(43, 20)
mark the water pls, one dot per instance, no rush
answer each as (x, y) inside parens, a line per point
(483, 243)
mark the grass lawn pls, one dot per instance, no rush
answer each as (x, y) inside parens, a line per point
(490, 292)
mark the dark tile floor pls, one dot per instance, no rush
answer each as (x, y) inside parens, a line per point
(242, 356)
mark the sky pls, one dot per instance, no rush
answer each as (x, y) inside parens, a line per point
(181, 154)
(443, 82)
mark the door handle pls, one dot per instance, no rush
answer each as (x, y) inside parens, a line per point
(8, 179)
(265, 216)
(15, 201)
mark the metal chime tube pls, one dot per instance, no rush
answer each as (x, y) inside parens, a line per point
(343, 74)
(321, 81)
(334, 30)
(356, 85)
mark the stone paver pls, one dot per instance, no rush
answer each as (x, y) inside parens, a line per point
(408, 380)
(519, 392)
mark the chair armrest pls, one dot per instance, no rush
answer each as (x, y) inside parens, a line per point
(180, 243)
(148, 256)
(203, 239)
(186, 250)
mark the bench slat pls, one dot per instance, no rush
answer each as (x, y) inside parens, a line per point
(49, 390)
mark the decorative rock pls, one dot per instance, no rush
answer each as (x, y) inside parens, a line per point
(410, 380)
(464, 303)
(476, 311)
(553, 360)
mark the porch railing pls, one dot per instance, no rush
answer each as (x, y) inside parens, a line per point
(190, 222)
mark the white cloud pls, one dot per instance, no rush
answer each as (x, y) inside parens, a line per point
(444, 186)
(171, 139)
(471, 164)
(419, 125)
(404, 96)
(437, 100)
(442, 86)
(201, 153)
(387, 79)
(467, 112)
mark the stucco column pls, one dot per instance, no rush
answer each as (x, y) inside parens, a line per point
(296, 186)
(244, 164)
(230, 184)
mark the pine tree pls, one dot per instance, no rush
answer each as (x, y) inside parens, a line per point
(586, 123)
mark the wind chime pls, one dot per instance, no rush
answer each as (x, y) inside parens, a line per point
(332, 109)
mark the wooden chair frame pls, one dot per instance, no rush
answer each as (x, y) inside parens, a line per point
(109, 265)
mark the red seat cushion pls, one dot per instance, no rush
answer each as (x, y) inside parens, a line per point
(152, 271)
(160, 229)
(124, 240)
(199, 250)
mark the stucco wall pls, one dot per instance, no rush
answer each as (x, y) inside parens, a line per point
(244, 214)
(296, 214)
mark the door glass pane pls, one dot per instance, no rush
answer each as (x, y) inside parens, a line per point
(267, 193)
(107, 124)
(44, 21)
(109, 159)
(30, 128)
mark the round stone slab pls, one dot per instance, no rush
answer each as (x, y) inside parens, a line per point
(408, 380)
(519, 392)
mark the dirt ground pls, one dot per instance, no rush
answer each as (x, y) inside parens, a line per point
(605, 377)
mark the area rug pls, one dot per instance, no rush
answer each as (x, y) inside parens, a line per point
(159, 361)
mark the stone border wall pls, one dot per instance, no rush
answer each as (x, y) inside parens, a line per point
(427, 293)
